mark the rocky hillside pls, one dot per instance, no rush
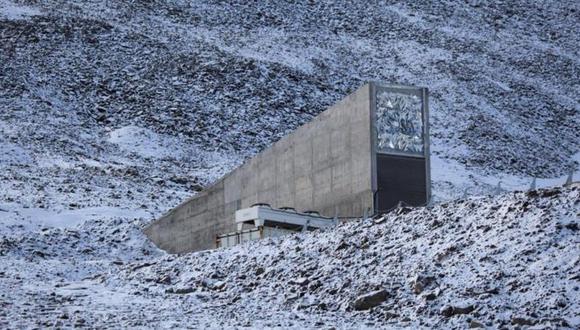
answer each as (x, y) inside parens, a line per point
(112, 112)
(507, 261)
(138, 104)
(237, 75)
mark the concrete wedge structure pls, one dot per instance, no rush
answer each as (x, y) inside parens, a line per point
(338, 164)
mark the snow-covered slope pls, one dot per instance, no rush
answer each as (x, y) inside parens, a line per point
(490, 262)
(236, 75)
(112, 112)
(136, 105)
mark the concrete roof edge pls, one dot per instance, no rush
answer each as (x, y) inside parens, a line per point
(247, 160)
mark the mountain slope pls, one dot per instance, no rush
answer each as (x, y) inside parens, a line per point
(113, 112)
(509, 260)
(237, 75)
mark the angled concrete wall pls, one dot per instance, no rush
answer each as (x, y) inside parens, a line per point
(325, 165)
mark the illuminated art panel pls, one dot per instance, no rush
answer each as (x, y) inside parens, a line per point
(399, 123)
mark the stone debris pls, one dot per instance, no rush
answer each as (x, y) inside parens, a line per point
(370, 300)
(523, 321)
(181, 290)
(473, 324)
(391, 281)
(420, 282)
(449, 311)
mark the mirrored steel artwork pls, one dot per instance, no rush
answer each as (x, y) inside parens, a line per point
(399, 123)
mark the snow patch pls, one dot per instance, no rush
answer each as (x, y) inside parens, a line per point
(31, 217)
(13, 154)
(12, 11)
(452, 180)
(145, 142)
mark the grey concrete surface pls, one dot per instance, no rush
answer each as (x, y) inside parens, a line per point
(325, 165)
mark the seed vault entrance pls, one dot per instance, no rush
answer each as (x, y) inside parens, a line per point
(400, 144)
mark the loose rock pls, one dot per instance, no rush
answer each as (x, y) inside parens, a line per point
(370, 300)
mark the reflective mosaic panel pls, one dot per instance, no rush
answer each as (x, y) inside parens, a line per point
(399, 123)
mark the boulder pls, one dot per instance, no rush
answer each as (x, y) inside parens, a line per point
(522, 321)
(370, 300)
(449, 311)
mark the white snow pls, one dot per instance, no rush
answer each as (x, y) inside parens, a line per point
(34, 217)
(12, 11)
(13, 154)
(453, 180)
(147, 143)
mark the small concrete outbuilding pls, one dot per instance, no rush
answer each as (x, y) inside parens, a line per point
(363, 155)
(261, 221)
